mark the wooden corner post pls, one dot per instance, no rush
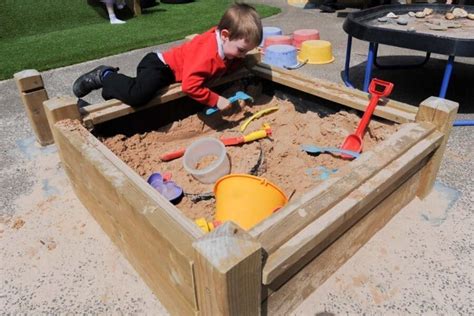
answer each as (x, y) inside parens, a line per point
(61, 108)
(441, 113)
(32, 93)
(228, 269)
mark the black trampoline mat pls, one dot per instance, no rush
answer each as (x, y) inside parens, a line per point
(459, 41)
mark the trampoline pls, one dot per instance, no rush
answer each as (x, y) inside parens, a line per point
(416, 34)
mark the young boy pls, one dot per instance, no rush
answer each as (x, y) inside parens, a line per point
(206, 56)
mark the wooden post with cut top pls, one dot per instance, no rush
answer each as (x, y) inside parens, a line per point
(441, 113)
(32, 93)
(61, 108)
(228, 269)
(135, 6)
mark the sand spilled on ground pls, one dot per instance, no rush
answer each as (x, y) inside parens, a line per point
(56, 259)
(278, 158)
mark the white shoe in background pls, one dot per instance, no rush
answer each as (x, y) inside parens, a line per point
(113, 20)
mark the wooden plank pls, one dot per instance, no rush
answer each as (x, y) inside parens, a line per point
(314, 238)
(105, 112)
(28, 80)
(61, 108)
(281, 226)
(441, 113)
(99, 106)
(336, 93)
(313, 275)
(135, 6)
(33, 103)
(152, 239)
(30, 86)
(228, 265)
(339, 87)
(184, 222)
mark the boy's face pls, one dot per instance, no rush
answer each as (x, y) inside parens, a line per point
(236, 48)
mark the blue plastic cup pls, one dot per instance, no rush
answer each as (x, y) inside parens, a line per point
(281, 55)
(270, 31)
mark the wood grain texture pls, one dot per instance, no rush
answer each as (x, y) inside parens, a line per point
(286, 298)
(30, 86)
(392, 110)
(61, 108)
(135, 6)
(228, 265)
(288, 221)
(28, 80)
(314, 238)
(33, 103)
(441, 113)
(154, 240)
(96, 114)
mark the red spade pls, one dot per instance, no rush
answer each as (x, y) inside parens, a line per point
(377, 88)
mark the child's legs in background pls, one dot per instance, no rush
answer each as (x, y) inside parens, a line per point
(152, 75)
(109, 5)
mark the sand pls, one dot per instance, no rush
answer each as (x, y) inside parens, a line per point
(278, 158)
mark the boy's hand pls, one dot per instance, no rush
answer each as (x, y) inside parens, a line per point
(223, 103)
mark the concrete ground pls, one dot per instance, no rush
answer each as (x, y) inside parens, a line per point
(55, 258)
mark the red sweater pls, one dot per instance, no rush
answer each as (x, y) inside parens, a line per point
(195, 62)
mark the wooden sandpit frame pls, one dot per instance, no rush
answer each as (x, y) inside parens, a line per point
(277, 264)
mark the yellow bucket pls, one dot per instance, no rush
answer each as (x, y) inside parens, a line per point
(298, 3)
(246, 200)
(316, 52)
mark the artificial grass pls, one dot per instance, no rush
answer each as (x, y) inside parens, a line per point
(43, 34)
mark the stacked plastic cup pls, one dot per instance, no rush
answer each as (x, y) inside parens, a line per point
(277, 40)
(281, 55)
(270, 31)
(299, 36)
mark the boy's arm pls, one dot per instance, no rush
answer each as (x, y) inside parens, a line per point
(193, 85)
(198, 67)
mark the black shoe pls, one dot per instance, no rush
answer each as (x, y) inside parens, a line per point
(89, 81)
(326, 8)
(338, 6)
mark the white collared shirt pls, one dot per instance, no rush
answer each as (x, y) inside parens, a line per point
(220, 45)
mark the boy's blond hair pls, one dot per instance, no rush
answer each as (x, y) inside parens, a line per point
(242, 22)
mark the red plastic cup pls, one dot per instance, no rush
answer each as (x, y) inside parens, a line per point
(277, 40)
(299, 36)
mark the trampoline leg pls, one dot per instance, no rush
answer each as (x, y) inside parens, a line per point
(345, 75)
(368, 66)
(446, 77)
(444, 88)
(376, 51)
(463, 123)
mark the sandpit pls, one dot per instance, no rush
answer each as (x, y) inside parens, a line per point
(278, 158)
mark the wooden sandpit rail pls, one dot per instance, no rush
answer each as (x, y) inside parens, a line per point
(231, 271)
(134, 6)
